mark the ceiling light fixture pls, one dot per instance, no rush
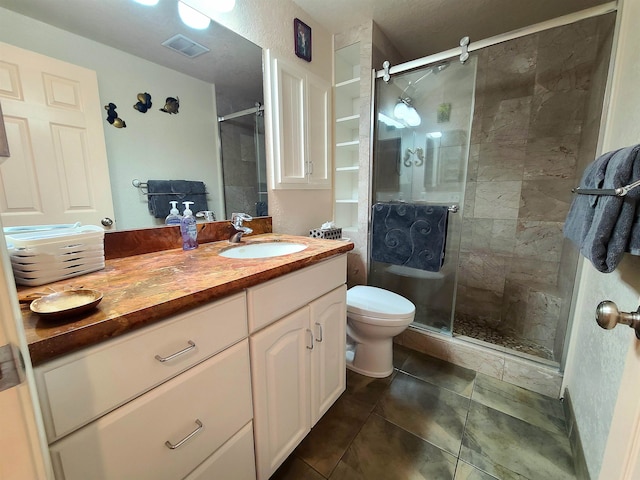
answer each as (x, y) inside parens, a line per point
(191, 17)
(405, 111)
(148, 3)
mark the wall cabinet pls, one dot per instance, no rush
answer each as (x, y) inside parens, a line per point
(301, 126)
(347, 140)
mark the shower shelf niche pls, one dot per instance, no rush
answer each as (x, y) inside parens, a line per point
(347, 135)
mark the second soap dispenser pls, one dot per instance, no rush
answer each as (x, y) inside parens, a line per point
(188, 228)
(174, 215)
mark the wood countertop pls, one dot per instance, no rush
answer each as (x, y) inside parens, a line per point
(142, 289)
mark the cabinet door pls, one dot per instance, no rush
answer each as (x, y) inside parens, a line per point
(318, 110)
(328, 369)
(288, 110)
(280, 358)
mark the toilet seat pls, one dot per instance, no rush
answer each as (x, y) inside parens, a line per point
(375, 305)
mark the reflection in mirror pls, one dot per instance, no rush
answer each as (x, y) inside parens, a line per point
(122, 42)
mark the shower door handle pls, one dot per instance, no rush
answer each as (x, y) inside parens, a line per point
(608, 316)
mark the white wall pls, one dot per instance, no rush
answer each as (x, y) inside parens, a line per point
(155, 145)
(269, 24)
(596, 358)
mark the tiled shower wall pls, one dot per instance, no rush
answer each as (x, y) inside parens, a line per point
(534, 123)
(239, 164)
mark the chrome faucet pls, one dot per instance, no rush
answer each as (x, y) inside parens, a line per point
(240, 230)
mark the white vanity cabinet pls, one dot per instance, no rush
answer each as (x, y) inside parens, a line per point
(158, 403)
(298, 359)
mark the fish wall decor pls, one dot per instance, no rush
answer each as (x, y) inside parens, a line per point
(171, 105)
(112, 116)
(144, 102)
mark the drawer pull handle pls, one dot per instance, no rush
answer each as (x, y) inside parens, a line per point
(320, 335)
(177, 354)
(311, 339)
(185, 439)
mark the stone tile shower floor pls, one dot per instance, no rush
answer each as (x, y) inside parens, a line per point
(437, 421)
(492, 336)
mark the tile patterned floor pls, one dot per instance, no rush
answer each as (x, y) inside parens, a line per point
(436, 421)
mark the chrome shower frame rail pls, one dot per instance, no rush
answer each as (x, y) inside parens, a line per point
(473, 46)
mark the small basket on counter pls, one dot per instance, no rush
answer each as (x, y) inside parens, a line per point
(50, 253)
(334, 233)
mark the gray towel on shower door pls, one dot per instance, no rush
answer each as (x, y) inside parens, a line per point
(605, 226)
(413, 235)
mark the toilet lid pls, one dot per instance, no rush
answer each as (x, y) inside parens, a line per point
(377, 302)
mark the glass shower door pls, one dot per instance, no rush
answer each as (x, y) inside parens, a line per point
(420, 156)
(242, 148)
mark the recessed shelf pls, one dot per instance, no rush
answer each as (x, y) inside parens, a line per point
(348, 90)
(353, 144)
(349, 83)
(347, 135)
(351, 121)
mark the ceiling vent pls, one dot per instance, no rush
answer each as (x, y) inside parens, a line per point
(185, 46)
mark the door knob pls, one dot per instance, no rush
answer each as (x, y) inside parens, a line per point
(608, 316)
(106, 222)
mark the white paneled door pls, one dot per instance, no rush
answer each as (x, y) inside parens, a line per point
(57, 171)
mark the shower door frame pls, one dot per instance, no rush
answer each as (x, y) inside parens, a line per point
(390, 71)
(257, 111)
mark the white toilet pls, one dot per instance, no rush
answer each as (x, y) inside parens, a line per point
(374, 317)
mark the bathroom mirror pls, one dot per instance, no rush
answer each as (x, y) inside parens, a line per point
(122, 41)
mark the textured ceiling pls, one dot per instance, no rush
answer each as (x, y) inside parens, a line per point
(421, 27)
(233, 64)
(416, 27)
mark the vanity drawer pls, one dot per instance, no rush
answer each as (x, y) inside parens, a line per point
(233, 461)
(78, 388)
(276, 298)
(129, 443)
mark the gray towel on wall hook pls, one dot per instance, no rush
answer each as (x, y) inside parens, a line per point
(605, 227)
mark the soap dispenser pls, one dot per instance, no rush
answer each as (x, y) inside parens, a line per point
(188, 228)
(174, 215)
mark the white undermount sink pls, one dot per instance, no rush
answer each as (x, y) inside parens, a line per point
(263, 250)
